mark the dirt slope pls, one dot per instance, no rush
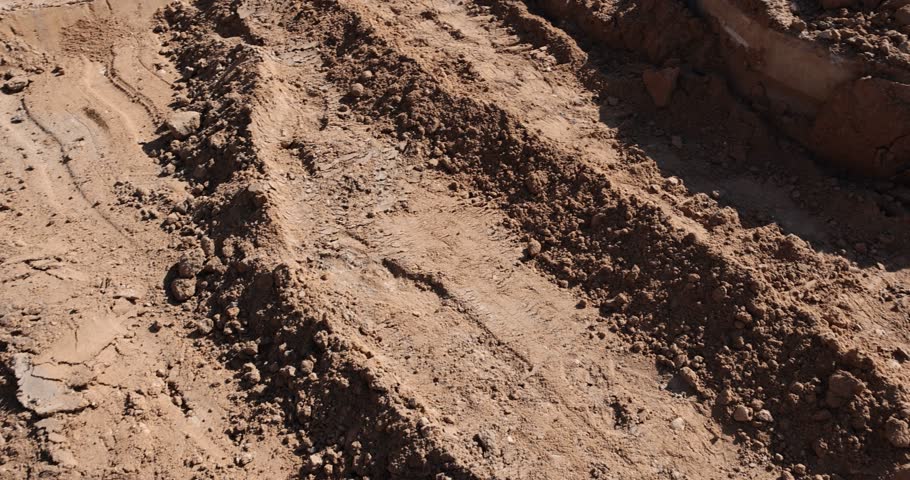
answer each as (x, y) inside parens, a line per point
(427, 239)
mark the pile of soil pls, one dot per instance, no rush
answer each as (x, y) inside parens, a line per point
(432, 239)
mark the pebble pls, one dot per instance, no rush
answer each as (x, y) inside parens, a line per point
(534, 248)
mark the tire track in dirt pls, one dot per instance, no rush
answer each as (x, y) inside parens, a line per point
(666, 271)
(71, 174)
(736, 274)
(283, 201)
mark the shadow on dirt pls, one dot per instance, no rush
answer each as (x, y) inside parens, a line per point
(725, 150)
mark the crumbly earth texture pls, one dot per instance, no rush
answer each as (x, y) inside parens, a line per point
(334, 239)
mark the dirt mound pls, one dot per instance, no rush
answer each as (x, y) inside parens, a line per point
(424, 239)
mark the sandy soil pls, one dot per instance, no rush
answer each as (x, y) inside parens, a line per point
(435, 239)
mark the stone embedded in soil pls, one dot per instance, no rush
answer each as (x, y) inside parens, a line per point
(661, 84)
(184, 124)
(183, 289)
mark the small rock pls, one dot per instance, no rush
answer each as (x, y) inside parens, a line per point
(742, 413)
(17, 118)
(15, 84)
(314, 461)
(184, 124)
(533, 248)
(661, 84)
(244, 459)
(366, 75)
(183, 289)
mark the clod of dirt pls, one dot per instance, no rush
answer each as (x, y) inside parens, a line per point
(661, 84)
(190, 264)
(183, 289)
(842, 387)
(742, 413)
(533, 248)
(689, 376)
(897, 432)
(764, 416)
(357, 90)
(184, 124)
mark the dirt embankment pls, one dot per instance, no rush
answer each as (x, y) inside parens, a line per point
(819, 95)
(712, 318)
(433, 239)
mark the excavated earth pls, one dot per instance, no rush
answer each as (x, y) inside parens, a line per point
(454, 239)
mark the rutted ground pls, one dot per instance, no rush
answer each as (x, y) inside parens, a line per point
(427, 239)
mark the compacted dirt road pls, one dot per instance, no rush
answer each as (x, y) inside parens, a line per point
(433, 239)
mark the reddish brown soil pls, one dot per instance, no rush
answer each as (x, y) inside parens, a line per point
(438, 239)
